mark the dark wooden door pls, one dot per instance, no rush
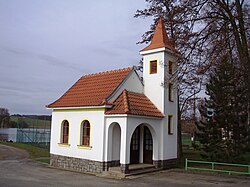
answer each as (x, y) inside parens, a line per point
(135, 147)
(147, 147)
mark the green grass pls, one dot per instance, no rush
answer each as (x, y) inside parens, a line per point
(186, 139)
(36, 123)
(246, 157)
(35, 153)
(193, 154)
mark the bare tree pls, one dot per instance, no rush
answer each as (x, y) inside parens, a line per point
(4, 117)
(203, 31)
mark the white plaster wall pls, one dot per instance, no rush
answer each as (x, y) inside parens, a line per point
(109, 122)
(158, 94)
(152, 82)
(170, 108)
(169, 142)
(75, 118)
(132, 83)
(128, 125)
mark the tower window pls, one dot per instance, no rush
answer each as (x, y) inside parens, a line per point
(153, 67)
(170, 92)
(170, 125)
(170, 67)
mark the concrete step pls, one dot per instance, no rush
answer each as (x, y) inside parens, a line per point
(136, 169)
(112, 174)
(115, 169)
(142, 171)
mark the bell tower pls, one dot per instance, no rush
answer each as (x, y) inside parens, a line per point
(159, 62)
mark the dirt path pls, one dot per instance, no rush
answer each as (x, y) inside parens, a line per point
(12, 153)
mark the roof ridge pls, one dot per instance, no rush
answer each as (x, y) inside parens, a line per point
(108, 72)
(125, 101)
(93, 89)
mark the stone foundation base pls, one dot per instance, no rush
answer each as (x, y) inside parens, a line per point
(79, 164)
(125, 168)
(165, 164)
(84, 165)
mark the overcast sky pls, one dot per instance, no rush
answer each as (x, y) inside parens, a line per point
(47, 45)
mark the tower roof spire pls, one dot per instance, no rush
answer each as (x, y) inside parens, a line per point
(160, 38)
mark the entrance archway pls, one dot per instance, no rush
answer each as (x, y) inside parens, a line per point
(141, 146)
(114, 144)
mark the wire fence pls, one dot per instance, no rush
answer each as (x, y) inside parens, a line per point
(29, 130)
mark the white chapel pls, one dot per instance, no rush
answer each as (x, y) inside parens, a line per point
(115, 118)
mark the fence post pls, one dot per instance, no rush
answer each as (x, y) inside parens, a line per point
(186, 164)
(212, 166)
(248, 168)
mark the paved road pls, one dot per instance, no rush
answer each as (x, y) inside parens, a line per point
(18, 171)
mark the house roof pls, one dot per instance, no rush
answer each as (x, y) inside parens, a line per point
(92, 89)
(160, 38)
(134, 104)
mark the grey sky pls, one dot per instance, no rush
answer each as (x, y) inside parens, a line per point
(47, 45)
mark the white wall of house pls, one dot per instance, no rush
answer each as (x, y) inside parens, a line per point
(110, 122)
(152, 82)
(156, 89)
(75, 118)
(170, 108)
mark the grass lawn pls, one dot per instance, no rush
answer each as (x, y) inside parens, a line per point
(193, 154)
(246, 157)
(35, 153)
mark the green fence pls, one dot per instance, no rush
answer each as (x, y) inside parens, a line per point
(217, 167)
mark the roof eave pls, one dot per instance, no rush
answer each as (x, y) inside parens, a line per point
(133, 115)
(162, 49)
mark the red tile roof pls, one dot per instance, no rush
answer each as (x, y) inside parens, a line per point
(92, 90)
(134, 104)
(160, 38)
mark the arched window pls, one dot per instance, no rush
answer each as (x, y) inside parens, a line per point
(85, 133)
(65, 132)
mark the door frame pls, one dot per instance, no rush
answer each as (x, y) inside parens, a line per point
(147, 146)
(135, 146)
